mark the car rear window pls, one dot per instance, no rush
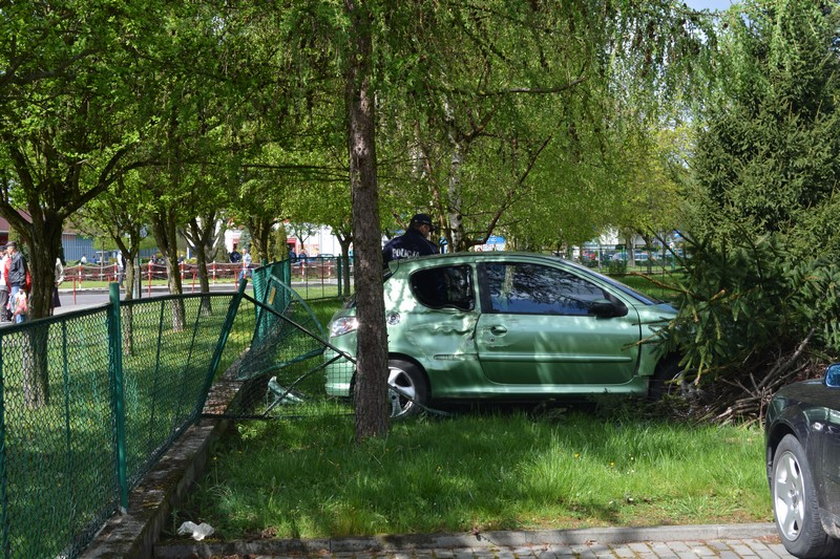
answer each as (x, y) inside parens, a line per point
(447, 286)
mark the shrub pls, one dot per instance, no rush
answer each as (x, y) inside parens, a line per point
(751, 318)
(617, 267)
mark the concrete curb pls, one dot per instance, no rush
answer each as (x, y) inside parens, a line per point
(132, 535)
(470, 541)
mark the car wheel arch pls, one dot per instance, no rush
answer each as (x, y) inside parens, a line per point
(791, 421)
(416, 363)
(399, 357)
(779, 431)
(666, 369)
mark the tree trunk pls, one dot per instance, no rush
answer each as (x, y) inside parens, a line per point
(457, 241)
(372, 355)
(202, 235)
(163, 226)
(45, 233)
(260, 228)
(128, 254)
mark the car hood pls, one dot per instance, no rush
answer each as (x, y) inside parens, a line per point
(658, 312)
(665, 309)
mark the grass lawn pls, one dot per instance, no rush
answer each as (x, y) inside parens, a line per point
(652, 284)
(497, 471)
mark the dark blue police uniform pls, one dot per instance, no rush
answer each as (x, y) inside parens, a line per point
(408, 245)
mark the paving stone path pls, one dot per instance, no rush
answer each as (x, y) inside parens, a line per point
(756, 541)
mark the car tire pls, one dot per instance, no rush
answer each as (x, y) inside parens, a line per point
(668, 379)
(795, 505)
(408, 389)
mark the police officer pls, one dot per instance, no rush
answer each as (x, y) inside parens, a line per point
(413, 242)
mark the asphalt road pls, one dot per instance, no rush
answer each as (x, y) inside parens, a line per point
(73, 300)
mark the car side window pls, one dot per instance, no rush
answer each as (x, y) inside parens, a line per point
(448, 286)
(524, 288)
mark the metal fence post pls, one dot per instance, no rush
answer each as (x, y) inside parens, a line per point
(339, 264)
(233, 308)
(117, 391)
(4, 498)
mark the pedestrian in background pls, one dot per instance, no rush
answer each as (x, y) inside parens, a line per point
(59, 279)
(246, 264)
(20, 306)
(16, 280)
(5, 314)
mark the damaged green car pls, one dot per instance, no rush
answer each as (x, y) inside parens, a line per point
(506, 325)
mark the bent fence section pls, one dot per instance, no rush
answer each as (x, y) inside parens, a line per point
(90, 400)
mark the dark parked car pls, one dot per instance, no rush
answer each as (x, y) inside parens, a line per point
(803, 465)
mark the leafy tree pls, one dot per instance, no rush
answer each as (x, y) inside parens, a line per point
(119, 214)
(651, 203)
(511, 120)
(70, 115)
(196, 140)
(766, 158)
(759, 307)
(72, 109)
(288, 113)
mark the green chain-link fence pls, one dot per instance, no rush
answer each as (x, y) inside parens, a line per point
(321, 276)
(90, 400)
(284, 363)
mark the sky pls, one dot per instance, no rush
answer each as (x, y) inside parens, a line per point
(708, 4)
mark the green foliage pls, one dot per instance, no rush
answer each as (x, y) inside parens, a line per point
(616, 267)
(759, 306)
(510, 122)
(767, 150)
(744, 305)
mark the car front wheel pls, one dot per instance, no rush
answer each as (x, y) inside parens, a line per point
(408, 392)
(669, 379)
(795, 504)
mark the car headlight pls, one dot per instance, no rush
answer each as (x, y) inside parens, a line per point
(343, 325)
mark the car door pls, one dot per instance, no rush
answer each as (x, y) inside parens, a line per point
(827, 464)
(537, 327)
(824, 443)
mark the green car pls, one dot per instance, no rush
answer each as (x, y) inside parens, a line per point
(507, 325)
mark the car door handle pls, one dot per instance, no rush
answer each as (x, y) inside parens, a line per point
(498, 330)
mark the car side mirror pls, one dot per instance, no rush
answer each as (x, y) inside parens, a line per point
(608, 309)
(832, 375)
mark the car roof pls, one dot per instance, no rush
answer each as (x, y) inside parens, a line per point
(474, 257)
